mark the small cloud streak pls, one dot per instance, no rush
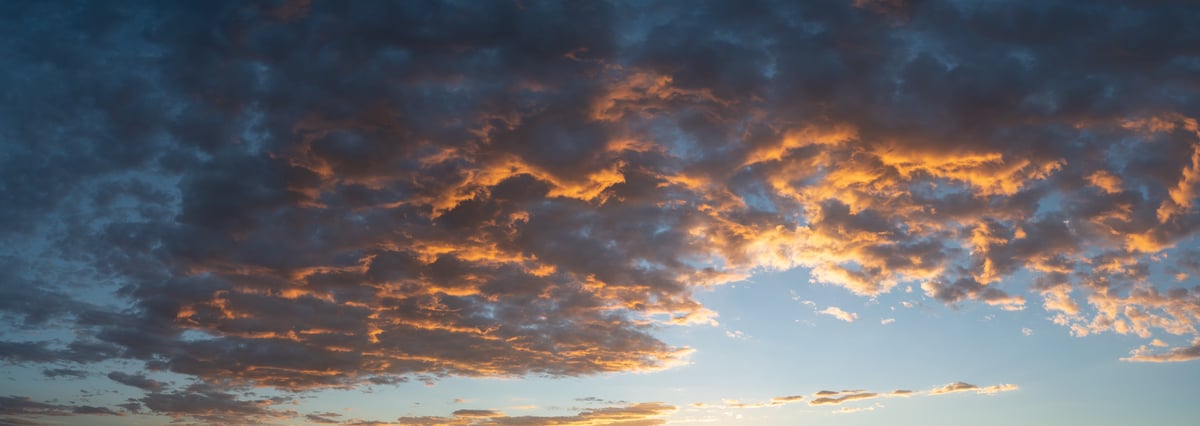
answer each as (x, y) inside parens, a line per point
(1178, 354)
(841, 398)
(967, 387)
(647, 413)
(838, 313)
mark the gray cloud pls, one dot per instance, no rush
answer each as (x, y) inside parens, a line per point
(65, 372)
(24, 406)
(331, 194)
(136, 380)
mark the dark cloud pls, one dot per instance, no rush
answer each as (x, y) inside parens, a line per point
(136, 380)
(91, 410)
(65, 372)
(326, 194)
(25, 406)
(11, 405)
(209, 404)
(323, 418)
(477, 413)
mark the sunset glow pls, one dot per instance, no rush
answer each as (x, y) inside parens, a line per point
(842, 212)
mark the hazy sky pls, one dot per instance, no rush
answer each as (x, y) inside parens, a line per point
(850, 212)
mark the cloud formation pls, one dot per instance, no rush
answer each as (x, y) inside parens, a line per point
(305, 195)
(640, 414)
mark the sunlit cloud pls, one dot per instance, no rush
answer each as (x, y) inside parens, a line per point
(967, 387)
(853, 396)
(306, 196)
(838, 313)
(650, 413)
(1177, 354)
(836, 398)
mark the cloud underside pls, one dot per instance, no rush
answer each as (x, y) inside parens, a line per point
(340, 194)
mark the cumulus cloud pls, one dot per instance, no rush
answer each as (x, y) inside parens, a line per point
(318, 194)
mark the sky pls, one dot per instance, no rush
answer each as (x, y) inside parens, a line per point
(836, 212)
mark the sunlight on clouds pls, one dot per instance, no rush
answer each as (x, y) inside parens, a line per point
(648, 413)
(309, 196)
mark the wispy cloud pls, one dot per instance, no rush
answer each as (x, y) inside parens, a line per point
(967, 387)
(838, 313)
(1177, 354)
(650, 413)
(852, 396)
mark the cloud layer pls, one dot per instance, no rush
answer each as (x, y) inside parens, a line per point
(306, 195)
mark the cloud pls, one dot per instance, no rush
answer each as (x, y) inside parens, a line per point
(324, 418)
(1177, 354)
(24, 406)
(967, 387)
(851, 396)
(851, 410)
(647, 413)
(328, 196)
(787, 399)
(210, 404)
(736, 334)
(478, 413)
(773, 402)
(838, 313)
(65, 372)
(136, 380)
(841, 397)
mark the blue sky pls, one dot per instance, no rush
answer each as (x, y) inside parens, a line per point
(845, 212)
